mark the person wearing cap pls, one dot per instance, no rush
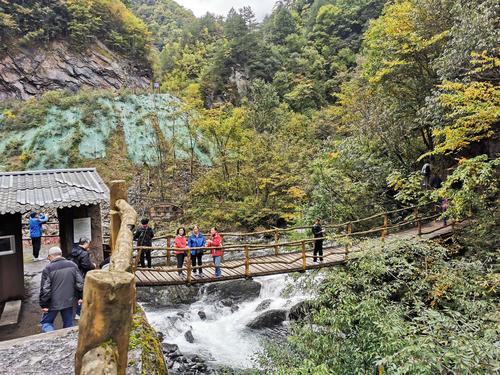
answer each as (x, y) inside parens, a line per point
(36, 230)
(61, 287)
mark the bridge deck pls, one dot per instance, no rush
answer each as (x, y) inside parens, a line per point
(154, 277)
(268, 265)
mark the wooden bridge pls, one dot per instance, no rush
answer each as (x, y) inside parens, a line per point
(248, 260)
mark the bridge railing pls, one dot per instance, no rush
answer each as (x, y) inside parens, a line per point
(109, 298)
(340, 243)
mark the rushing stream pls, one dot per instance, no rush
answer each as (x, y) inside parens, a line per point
(218, 324)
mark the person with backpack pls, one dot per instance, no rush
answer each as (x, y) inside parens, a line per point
(318, 232)
(144, 237)
(36, 230)
(215, 242)
(426, 173)
(196, 240)
(180, 249)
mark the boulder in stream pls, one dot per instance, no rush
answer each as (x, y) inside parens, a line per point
(268, 319)
(189, 336)
(170, 296)
(263, 305)
(235, 290)
(202, 315)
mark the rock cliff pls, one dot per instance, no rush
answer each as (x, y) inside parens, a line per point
(25, 73)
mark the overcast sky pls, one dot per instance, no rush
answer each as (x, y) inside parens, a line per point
(221, 7)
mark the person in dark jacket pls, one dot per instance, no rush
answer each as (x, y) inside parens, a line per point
(61, 287)
(81, 257)
(144, 237)
(195, 240)
(318, 232)
(36, 231)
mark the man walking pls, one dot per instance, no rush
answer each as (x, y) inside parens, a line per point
(61, 287)
(318, 244)
(144, 237)
(36, 231)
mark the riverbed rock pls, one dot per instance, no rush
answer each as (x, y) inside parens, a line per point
(188, 335)
(169, 348)
(234, 308)
(300, 310)
(235, 290)
(202, 315)
(227, 302)
(263, 305)
(168, 296)
(268, 319)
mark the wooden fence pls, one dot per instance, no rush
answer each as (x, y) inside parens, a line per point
(109, 298)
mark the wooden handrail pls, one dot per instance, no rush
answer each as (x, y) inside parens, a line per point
(284, 230)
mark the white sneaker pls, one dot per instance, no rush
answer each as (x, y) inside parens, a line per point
(77, 317)
(41, 258)
(35, 259)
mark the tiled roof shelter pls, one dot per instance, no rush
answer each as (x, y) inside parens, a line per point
(21, 192)
(74, 197)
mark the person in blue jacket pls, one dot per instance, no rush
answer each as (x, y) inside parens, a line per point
(196, 239)
(36, 230)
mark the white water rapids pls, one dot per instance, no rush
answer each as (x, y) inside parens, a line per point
(223, 338)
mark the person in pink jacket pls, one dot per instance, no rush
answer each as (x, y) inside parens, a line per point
(215, 242)
(180, 249)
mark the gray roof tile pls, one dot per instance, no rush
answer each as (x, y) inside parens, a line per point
(32, 190)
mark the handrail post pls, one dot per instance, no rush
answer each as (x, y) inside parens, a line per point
(349, 231)
(117, 190)
(137, 259)
(419, 223)
(384, 231)
(222, 247)
(276, 241)
(189, 267)
(247, 263)
(304, 258)
(169, 252)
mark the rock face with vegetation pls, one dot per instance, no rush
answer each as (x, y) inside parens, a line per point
(30, 72)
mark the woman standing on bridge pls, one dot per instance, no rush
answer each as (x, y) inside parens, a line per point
(180, 249)
(215, 242)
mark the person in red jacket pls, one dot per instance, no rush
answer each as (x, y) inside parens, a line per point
(215, 242)
(180, 248)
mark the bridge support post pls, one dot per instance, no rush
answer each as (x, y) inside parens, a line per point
(189, 267)
(247, 263)
(276, 241)
(304, 257)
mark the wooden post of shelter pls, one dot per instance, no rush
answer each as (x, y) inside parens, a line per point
(384, 231)
(247, 263)
(117, 190)
(304, 257)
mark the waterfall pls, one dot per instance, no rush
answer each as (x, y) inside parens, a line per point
(223, 339)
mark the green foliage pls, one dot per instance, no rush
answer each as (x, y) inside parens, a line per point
(402, 308)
